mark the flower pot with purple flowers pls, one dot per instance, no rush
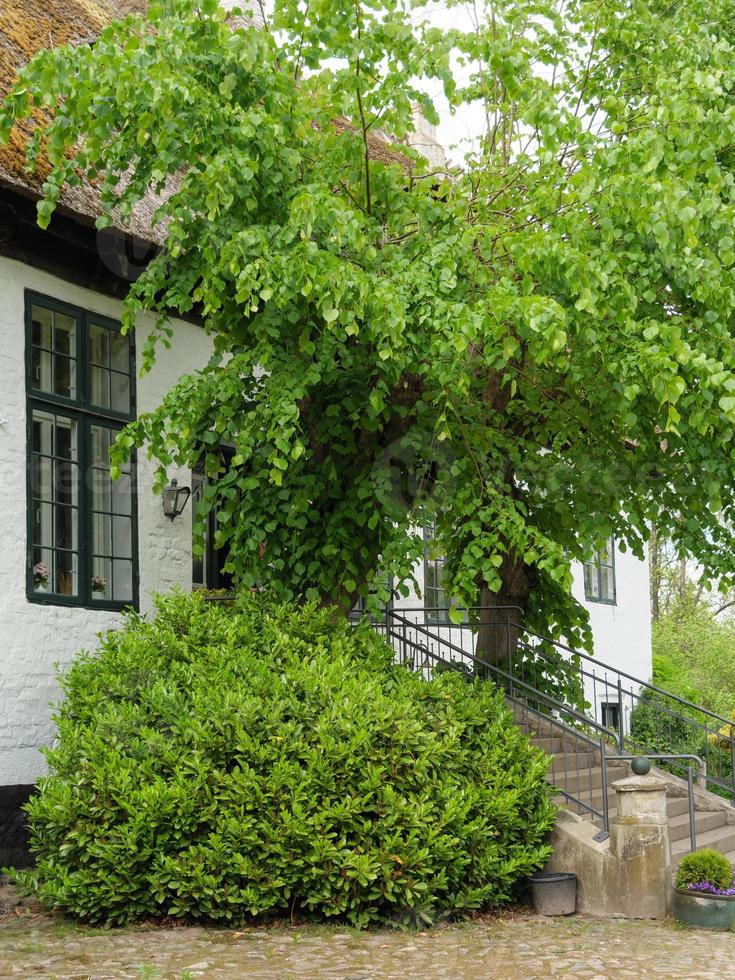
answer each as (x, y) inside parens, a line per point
(704, 895)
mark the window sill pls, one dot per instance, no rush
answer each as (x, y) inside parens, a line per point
(74, 603)
(601, 602)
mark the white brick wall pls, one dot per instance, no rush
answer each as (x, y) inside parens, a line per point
(33, 637)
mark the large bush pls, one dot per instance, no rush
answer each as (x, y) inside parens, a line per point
(219, 763)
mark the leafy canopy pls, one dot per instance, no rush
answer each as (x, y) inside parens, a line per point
(535, 350)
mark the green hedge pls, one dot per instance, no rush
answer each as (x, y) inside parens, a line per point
(219, 763)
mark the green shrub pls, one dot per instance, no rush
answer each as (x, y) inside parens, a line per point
(704, 865)
(219, 763)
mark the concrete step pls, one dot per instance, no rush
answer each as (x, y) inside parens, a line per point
(585, 780)
(552, 746)
(573, 761)
(675, 805)
(722, 839)
(704, 820)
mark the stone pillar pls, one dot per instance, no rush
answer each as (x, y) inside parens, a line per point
(639, 841)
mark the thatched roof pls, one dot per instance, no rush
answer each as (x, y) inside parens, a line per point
(27, 26)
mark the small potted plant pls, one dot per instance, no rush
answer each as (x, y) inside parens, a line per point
(98, 583)
(40, 577)
(704, 895)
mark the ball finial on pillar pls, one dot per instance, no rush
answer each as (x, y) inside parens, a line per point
(641, 766)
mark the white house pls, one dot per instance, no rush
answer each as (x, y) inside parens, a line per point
(77, 549)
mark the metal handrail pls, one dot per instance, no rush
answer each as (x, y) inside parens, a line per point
(599, 745)
(552, 703)
(559, 645)
(698, 725)
(535, 692)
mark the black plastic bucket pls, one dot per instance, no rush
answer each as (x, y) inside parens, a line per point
(554, 892)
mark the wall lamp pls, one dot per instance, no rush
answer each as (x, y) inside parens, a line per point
(174, 499)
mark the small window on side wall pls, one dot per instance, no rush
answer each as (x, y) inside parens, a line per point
(610, 715)
(599, 575)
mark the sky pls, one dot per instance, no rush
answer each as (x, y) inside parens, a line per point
(456, 131)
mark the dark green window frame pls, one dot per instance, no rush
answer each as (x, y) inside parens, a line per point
(77, 406)
(436, 602)
(435, 599)
(599, 576)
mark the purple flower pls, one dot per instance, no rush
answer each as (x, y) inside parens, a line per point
(707, 888)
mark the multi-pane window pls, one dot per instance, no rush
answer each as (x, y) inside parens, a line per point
(599, 575)
(362, 604)
(435, 598)
(80, 394)
(208, 561)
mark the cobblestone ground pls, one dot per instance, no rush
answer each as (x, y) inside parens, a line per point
(518, 945)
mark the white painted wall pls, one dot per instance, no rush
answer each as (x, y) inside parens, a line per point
(34, 637)
(621, 632)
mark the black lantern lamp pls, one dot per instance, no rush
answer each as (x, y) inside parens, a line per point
(174, 499)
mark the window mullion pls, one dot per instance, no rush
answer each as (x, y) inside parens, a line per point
(85, 515)
(83, 361)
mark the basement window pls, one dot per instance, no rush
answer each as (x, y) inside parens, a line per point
(610, 715)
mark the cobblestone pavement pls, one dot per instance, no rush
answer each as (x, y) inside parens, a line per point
(518, 945)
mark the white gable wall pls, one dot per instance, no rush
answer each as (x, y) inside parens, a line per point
(34, 637)
(621, 631)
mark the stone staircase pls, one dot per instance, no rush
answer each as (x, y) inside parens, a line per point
(579, 773)
(576, 735)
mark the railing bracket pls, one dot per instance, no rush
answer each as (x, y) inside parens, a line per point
(601, 836)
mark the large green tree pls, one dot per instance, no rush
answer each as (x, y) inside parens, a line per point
(534, 351)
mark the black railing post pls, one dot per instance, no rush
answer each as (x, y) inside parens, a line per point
(692, 818)
(605, 804)
(508, 643)
(621, 740)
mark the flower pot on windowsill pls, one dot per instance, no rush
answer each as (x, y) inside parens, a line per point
(703, 910)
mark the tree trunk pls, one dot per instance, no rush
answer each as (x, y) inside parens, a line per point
(500, 626)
